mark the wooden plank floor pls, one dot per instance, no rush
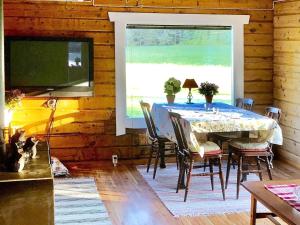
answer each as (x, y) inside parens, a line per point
(131, 201)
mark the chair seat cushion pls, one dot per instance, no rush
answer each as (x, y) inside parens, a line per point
(250, 146)
(207, 148)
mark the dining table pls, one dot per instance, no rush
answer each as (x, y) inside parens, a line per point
(200, 119)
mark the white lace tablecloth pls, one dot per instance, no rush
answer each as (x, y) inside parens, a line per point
(196, 120)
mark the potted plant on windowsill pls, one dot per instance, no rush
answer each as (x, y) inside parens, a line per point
(208, 90)
(172, 87)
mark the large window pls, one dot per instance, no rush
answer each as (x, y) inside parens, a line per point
(151, 47)
(155, 53)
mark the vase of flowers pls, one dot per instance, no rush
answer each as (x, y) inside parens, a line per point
(208, 90)
(13, 99)
(172, 86)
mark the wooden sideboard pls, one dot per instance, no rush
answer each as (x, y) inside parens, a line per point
(27, 198)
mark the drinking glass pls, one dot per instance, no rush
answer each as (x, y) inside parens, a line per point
(208, 106)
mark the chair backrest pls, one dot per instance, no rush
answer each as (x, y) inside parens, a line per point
(178, 130)
(274, 113)
(149, 120)
(244, 103)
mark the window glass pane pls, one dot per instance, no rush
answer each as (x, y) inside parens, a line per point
(74, 54)
(154, 54)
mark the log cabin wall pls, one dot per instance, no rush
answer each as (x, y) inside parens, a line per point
(84, 128)
(287, 76)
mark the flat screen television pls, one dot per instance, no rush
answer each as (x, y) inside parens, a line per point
(42, 66)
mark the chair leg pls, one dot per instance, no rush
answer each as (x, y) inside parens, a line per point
(228, 167)
(245, 166)
(271, 157)
(259, 168)
(239, 172)
(205, 164)
(181, 172)
(162, 154)
(269, 168)
(211, 170)
(221, 177)
(233, 163)
(176, 155)
(156, 162)
(150, 158)
(220, 143)
(188, 178)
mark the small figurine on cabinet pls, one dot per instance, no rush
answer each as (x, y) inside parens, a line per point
(30, 147)
(21, 149)
(16, 156)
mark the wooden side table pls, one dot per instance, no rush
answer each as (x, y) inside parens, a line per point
(277, 206)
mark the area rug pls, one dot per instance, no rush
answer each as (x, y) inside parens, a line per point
(201, 199)
(77, 202)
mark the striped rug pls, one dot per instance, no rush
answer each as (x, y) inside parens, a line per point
(201, 199)
(77, 202)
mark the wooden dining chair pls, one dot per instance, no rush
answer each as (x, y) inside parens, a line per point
(225, 137)
(244, 103)
(212, 152)
(245, 149)
(158, 143)
(274, 113)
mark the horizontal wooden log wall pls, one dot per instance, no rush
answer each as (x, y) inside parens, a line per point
(287, 76)
(85, 127)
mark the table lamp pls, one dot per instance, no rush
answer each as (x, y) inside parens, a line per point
(190, 83)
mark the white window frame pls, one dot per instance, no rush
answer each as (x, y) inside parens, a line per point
(121, 20)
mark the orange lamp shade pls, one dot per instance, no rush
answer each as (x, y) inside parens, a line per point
(190, 83)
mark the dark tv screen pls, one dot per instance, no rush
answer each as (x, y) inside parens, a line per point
(43, 64)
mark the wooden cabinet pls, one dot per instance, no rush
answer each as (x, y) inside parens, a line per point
(27, 198)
